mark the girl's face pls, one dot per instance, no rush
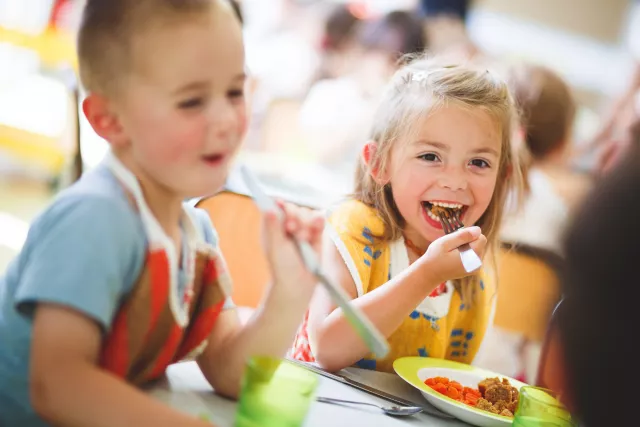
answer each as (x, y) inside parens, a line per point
(452, 161)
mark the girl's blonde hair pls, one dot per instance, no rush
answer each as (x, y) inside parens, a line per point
(416, 89)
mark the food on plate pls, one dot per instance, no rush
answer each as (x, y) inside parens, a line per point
(493, 395)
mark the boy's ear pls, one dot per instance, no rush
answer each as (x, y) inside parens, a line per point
(369, 152)
(103, 119)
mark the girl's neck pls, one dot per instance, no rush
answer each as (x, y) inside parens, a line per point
(415, 242)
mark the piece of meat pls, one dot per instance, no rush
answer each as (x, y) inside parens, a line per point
(501, 405)
(513, 406)
(506, 413)
(484, 385)
(515, 394)
(497, 393)
(485, 405)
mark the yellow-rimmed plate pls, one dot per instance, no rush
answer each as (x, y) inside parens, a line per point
(416, 370)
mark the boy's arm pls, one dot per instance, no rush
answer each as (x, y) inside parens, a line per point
(272, 328)
(269, 332)
(68, 389)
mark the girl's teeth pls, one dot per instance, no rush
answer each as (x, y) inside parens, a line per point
(432, 215)
(447, 205)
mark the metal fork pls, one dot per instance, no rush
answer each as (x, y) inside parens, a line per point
(451, 222)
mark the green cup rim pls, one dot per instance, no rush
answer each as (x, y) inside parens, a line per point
(305, 377)
(526, 391)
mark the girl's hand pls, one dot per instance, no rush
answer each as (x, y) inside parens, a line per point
(291, 280)
(442, 259)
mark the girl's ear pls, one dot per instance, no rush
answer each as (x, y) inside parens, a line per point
(369, 152)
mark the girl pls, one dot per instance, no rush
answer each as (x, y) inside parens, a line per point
(441, 137)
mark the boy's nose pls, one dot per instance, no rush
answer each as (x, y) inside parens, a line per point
(222, 117)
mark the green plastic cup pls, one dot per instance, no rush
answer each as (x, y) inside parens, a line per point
(539, 407)
(275, 393)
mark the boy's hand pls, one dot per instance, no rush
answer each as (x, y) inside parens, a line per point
(443, 258)
(290, 277)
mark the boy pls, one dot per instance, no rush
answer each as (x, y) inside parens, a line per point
(118, 278)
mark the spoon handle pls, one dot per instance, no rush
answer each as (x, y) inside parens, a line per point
(342, 402)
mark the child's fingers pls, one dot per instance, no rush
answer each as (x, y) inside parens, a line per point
(479, 245)
(273, 227)
(291, 217)
(460, 237)
(312, 224)
(316, 227)
(298, 219)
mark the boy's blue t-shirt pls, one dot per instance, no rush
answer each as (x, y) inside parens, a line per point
(85, 251)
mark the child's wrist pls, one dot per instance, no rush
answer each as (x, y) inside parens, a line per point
(427, 271)
(281, 297)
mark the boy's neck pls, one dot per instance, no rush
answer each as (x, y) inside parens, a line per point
(165, 205)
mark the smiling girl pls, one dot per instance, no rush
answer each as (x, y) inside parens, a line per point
(441, 137)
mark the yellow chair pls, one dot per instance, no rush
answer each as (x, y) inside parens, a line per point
(550, 365)
(55, 48)
(528, 290)
(238, 222)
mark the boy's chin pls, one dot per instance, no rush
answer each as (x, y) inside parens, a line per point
(203, 191)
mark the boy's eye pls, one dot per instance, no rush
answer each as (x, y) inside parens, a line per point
(191, 103)
(235, 93)
(479, 163)
(429, 157)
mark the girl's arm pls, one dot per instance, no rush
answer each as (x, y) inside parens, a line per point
(68, 389)
(334, 342)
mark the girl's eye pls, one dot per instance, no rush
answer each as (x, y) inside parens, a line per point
(479, 163)
(429, 157)
(191, 103)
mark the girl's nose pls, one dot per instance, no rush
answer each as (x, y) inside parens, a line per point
(453, 179)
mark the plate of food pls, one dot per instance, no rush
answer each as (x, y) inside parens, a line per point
(473, 395)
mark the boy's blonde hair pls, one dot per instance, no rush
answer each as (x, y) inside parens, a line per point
(109, 29)
(418, 88)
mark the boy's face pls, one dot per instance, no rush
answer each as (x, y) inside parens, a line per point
(182, 112)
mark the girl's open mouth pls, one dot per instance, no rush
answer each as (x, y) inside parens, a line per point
(433, 209)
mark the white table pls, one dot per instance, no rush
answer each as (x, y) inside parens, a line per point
(186, 389)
